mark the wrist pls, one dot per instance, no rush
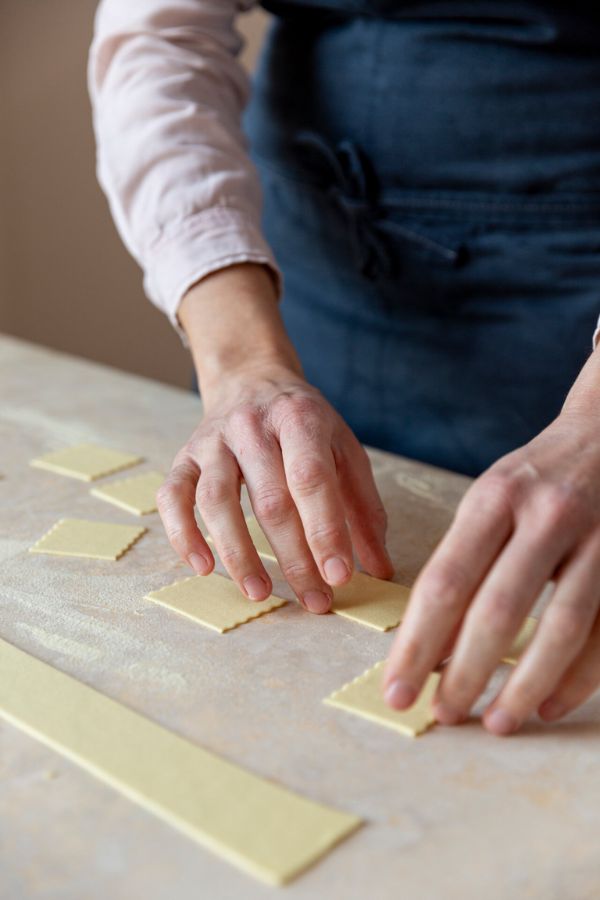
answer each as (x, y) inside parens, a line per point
(223, 384)
(236, 334)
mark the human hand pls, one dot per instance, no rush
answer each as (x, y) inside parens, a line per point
(308, 478)
(532, 516)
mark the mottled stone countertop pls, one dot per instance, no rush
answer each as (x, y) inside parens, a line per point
(456, 813)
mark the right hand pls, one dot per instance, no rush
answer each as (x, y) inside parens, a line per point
(308, 478)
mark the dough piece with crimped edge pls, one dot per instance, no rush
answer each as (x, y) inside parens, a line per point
(81, 537)
(214, 601)
(364, 697)
(86, 461)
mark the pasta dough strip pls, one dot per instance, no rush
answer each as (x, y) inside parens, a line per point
(255, 824)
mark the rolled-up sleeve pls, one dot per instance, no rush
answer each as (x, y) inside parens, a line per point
(167, 91)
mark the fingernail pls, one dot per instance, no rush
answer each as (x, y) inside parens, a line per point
(316, 601)
(198, 563)
(501, 722)
(256, 587)
(398, 694)
(335, 569)
(552, 709)
(445, 715)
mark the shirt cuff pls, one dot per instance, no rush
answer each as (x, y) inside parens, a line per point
(210, 240)
(596, 335)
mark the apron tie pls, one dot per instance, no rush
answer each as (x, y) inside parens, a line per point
(353, 189)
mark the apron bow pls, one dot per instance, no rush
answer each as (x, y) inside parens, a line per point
(352, 187)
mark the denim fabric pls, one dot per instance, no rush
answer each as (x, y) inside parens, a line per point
(431, 192)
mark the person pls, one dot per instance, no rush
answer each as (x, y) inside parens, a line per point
(389, 235)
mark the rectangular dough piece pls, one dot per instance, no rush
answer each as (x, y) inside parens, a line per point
(86, 461)
(257, 825)
(258, 537)
(96, 540)
(213, 601)
(371, 601)
(364, 697)
(136, 494)
(521, 641)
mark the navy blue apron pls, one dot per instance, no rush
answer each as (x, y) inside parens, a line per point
(431, 191)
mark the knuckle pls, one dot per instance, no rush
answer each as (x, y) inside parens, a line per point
(307, 475)
(559, 504)
(497, 492)
(231, 556)
(164, 495)
(460, 689)
(179, 541)
(180, 481)
(297, 412)
(566, 624)
(297, 571)
(245, 418)
(272, 505)
(326, 533)
(445, 589)
(184, 468)
(211, 494)
(499, 617)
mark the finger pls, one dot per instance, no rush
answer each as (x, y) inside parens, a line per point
(218, 499)
(444, 588)
(496, 614)
(365, 512)
(579, 683)
(275, 510)
(448, 648)
(311, 476)
(581, 677)
(561, 634)
(175, 500)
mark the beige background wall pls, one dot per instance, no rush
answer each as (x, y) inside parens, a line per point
(65, 278)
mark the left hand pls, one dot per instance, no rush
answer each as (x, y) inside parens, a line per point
(534, 515)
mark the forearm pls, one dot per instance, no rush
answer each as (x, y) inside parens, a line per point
(167, 89)
(233, 323)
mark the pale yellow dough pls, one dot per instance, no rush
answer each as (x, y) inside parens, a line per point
(86, 461)
(257, 825)
(259, 539)
(371, 601)
(213, 601)
(80, 537)
(136, 494)
(364, 697)
(521, 641)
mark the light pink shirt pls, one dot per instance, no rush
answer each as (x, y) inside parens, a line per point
(167, 92)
